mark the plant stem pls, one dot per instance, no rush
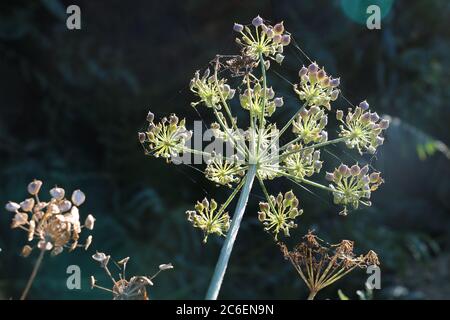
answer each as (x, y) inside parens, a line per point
(263, 107)
(33, 275)
(312, 294)
(222, 263)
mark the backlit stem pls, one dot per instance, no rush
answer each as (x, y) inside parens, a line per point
(225, 253)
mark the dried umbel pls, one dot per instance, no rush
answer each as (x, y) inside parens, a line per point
(53, 225)
(122, 288)
(320, 265)
(50, 226)
(256, 142)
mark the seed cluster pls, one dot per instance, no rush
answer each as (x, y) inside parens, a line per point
(52, 225)
(266, 40)
(362, 128)
(223, 171)
(165, 139)
(279, 213)
(353, 185)
(316, 88)
(207, 218)
(209, 91)
(256, 99)
(257, 143)
(134, 288)
(301, 163)
(320, 264)
(310, 124)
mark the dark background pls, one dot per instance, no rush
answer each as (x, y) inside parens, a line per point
(72, 102)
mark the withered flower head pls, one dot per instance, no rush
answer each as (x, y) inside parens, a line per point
(53, 225)
(134, 288)
(320, 264)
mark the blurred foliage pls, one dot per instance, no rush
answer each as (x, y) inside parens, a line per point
(73, 101)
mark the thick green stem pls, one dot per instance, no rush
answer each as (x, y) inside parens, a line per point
(225, 253)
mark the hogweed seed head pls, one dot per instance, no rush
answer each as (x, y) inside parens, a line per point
(313, 67)
(278, 28)
(57, 193)
(316, 88)
(52, 225)
(167, 138)
(224, 172)
(278, 102)
(301, 163)
(264, 40)
(27, 205)
(362, 128)
(12, 206)
(285, 39)
(209, 91)
(166, 266)
(207, 218)
(309, 125)
(257, 21)
(278, 58)
(89, 222)
(335, 83)
(150, 117)
(257, 99)
(279, 214)
(78, 198)
(102, 258)
(257, 145)
(364, 105)
(353, 186)
(142, 137)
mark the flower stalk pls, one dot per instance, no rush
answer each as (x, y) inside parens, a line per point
(33, 274)
(256, 150)
(225, 253)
